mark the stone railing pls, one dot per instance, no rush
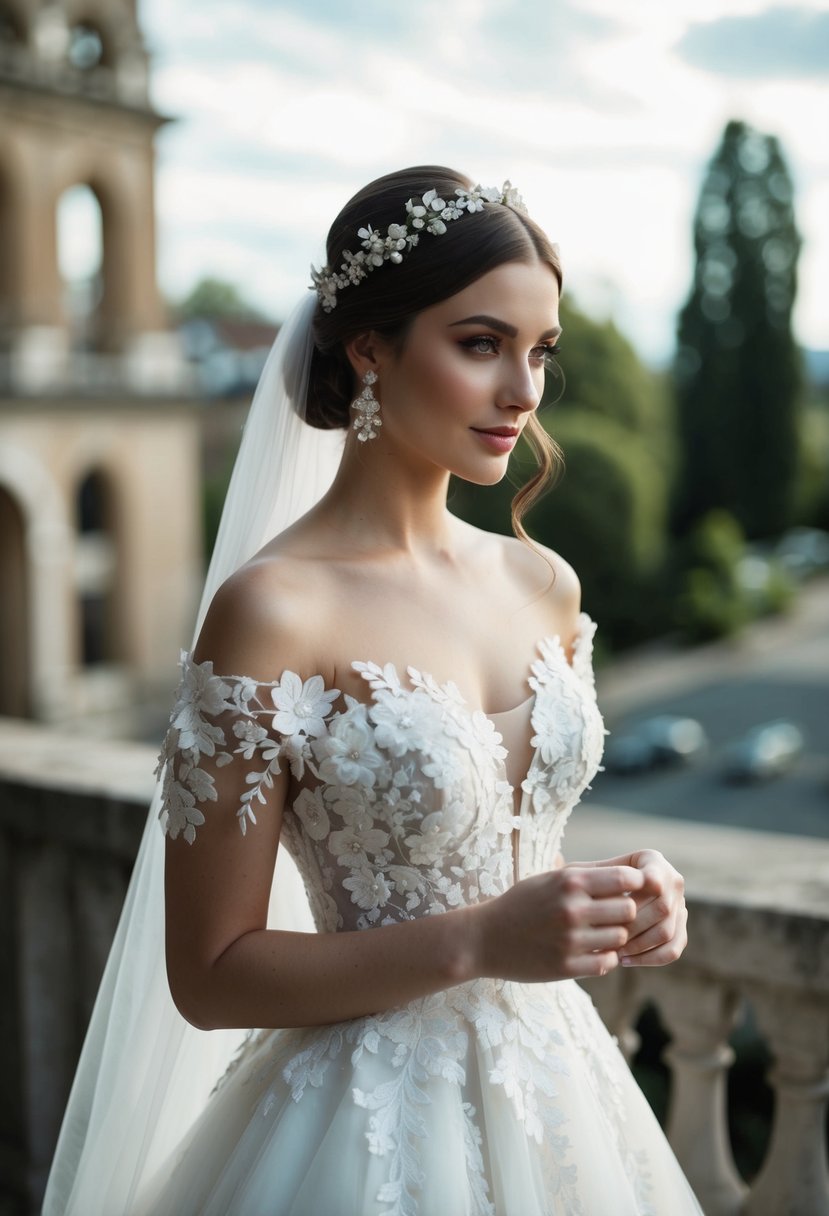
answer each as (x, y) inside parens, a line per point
(71, 813)
(758, 939)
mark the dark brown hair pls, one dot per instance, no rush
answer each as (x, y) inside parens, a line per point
(390, 297)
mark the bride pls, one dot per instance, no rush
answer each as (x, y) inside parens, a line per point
(406, 705)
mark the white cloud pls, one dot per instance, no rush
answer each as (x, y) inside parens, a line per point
(602, 126)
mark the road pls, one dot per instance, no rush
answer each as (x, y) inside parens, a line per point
(776, 669)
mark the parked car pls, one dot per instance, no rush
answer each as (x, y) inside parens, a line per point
(803, 551)
(657, 742)
(764, 752)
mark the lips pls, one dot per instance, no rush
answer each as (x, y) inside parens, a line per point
(499, 439)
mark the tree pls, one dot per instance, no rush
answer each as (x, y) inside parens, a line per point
(737, 370)
(216, 298)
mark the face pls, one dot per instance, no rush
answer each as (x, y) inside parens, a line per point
(471, 372)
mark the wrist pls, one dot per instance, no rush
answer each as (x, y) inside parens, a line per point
(465, 953)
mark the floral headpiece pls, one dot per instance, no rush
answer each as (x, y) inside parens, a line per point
(430, 213)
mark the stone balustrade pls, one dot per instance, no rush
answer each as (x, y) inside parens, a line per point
(758, 939)
(71, 813)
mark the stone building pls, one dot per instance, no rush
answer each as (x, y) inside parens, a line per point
(99, 444)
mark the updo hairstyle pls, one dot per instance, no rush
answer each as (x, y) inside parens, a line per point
(390, 297)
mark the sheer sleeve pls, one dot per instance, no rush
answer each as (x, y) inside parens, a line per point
(234, 720)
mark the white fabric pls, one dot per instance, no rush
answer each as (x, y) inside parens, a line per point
(488, 1098)
(144, 1073)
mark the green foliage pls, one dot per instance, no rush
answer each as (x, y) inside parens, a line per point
(738, 369)
(602, 374)
(811, 505)
(608, 517)
(212, 298)
(779, 592)
(711, 603)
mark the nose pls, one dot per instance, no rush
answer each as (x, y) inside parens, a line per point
(521, 387)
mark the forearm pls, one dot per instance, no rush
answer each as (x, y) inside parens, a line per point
(271, 978)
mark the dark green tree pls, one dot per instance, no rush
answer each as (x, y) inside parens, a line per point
(738, 371)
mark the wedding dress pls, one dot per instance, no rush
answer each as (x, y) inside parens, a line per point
(492, 1097)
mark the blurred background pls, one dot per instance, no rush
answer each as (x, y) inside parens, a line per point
(167, 175)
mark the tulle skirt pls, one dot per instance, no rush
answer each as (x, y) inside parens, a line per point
(491, 1099)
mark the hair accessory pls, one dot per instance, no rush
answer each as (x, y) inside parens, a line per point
(430, 213)
(367, 409)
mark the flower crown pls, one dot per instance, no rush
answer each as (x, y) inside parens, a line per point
(430, 213)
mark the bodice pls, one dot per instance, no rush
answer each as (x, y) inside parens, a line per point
(400, 805)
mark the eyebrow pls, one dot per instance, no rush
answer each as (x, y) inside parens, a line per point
(503, 327)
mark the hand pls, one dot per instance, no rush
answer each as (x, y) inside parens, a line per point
(565, 923)
(659, 933)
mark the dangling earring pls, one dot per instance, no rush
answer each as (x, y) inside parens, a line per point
(367, 409)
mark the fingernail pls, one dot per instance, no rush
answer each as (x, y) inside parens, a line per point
(626, 961)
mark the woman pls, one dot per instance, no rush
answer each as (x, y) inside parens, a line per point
(406, 704)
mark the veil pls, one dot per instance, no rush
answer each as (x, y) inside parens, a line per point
(145, 1074)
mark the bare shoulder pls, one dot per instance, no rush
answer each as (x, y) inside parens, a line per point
(543, 574)
(263, 620)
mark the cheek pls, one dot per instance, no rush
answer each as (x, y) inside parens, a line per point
(448, 384)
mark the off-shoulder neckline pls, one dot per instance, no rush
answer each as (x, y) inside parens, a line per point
(585, 630)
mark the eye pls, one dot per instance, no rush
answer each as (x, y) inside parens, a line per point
(545, 354)
(482, 344)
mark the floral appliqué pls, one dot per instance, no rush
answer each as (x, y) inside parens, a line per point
(402, 808)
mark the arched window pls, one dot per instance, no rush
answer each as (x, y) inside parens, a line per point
(86, 49)
(7, 283)
(81, 262)
(14, 611)
(11, 27)
(95, 571)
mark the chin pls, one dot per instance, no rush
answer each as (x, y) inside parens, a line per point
(484, 476)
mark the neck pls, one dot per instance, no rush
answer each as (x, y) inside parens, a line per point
(380, 501)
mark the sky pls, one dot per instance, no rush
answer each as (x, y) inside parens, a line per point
(603, 114)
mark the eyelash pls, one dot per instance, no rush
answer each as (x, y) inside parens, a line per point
(547, 359)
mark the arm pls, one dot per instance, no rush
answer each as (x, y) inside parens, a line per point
(227, 969)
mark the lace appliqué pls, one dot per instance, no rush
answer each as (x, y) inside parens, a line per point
(403, 809)
(297, 714)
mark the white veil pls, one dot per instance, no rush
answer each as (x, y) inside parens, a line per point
(144, 1073)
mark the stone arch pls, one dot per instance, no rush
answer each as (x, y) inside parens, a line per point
(113, 322)
(14, 24)
(97, 579)
(15, 648)
(13, 180)
(81, 281)
(115, 24)
(46, 546)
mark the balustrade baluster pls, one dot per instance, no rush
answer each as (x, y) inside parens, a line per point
(699, 1012)
(794, 1178)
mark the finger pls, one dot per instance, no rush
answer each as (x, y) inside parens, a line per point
(600, 883)
(658, 945)
(593, 964)
(659, 957)
(614, 910)
(598, 941)
(656, 935)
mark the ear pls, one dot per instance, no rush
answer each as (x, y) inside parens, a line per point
(366, 352)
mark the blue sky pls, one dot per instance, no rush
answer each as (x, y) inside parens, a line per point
(602, 114)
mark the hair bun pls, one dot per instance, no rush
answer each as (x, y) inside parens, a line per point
(329, 390)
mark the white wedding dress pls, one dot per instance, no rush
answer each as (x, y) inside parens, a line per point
(493, 1097)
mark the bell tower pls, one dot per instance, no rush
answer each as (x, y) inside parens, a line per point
(99, 534)
(75, 110)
